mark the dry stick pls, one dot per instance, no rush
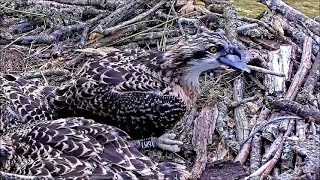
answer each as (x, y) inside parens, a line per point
(118, 15)
(302, 71)
(243, 101)
(149, 29)
(48, 72)
(312, 79)
(268, 166)
(304, 111)
(245, 150)
(261, 126)
(148, 36)
(291, 94)
(269, 28)
(299, 37)
(314, 75)
(280, 61)
(266, 71)
(66, 11)
(223, 130)
(272, 149)
(255, 156)
(19, 38)
(106, 4)
(292, 15)
(240, 118)
(259, 171)
(133, 20)
(204, 126)
(277, 156)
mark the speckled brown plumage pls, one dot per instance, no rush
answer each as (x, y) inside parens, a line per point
(34, 143)
(142, 92)
(77, 148)
(24, 101)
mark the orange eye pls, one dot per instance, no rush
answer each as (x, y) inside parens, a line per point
(213, 49)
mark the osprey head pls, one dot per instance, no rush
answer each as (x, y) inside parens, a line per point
(190, 57)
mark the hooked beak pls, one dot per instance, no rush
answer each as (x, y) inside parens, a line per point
(235, 58)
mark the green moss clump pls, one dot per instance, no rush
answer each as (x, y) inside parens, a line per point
(252, 8)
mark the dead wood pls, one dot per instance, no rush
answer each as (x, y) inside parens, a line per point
(204, 126)
(105, 4)
(133, 20)
(302, 71)
(255, 156)
(292, 15)
(240, 118)
(278, 153)
(118, 16)
(304, 111)
(310, 83)
(222, 128)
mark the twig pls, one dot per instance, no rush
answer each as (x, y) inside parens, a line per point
(202, 136)
(255, 156)
(137, 18)
(118, 15)
(302, 71)
(311, 80)
(269, 122)
(243, 101)
(240, 118)
(48, 72)
(277, 156)
(259, 171)
(304, 111)
(223, 130)
(272, 149)
(16, 40)
(266, 71)
(292, 15)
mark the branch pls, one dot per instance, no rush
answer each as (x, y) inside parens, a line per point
(292, 15)
(301, 110)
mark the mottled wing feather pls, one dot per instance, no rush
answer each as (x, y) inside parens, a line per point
(138, 113)
(24, 101)
(126, 89)
(119, 71)
(78, 147)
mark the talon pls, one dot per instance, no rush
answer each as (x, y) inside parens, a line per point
(166, 142)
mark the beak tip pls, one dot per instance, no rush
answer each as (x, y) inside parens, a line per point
(247, 69)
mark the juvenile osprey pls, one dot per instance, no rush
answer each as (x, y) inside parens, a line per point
(146, 92)
(34, 144)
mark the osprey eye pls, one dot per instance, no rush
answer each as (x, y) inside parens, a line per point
(213, 49)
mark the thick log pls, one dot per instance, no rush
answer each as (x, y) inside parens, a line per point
(204, 126)
(303, 111)
(277, 155)
(313, 76)
(240, 118)
(255, 156)
(118, 15)
(279, 61)
(302, 71)
(292, 15)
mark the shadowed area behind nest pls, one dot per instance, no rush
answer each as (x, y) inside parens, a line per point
(146, 92)
(34, 143)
